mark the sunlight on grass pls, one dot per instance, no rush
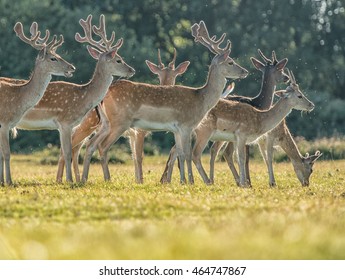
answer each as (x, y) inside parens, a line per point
(40, 219)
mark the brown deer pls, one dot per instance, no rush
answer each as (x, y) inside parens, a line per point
(303, 165)
(272, 74)
(167, 76)
(178, 109)
(64, 105)
(17, 99)
(243, 124)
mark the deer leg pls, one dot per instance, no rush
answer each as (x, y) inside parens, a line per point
(2, 178)
(137, 147)
(187, 151)
(66, 145)
(215, 148)
(241, 153)
(229, 157)
(169, 166)
(199, 146)
(75, 161)
(6, 153)
(61, 166)
(181, 156)
(247, 165)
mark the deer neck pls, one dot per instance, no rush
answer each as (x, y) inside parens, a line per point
(289, 145)
(213, 88)
(33, 90)
(264, 99)
(98, 86)
(272, 117)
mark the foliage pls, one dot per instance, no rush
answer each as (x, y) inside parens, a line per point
(310, 33)
(40, 219)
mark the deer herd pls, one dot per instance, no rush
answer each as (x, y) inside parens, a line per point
(109, 109)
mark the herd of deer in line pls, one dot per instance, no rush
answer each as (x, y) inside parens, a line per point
(109, 109)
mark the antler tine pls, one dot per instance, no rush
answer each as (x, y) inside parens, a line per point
(57, 44)
(267, 60)
(274, 57)
(101, 32)
(172, 63)
(34, 41)
(86, 25)
(160, 63)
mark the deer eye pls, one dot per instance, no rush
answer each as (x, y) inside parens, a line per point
(231, 63)
(53, 59)
(118, 60)
(300, 96)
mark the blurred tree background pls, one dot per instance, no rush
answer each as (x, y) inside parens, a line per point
(310, 33)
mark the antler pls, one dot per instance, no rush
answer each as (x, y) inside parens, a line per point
(267, 60)
(103, 44)
(200, 34)
(172, 63)
(291, 76)
(35, 41)
(160, 63)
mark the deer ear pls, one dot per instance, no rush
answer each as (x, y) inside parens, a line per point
(153, 67)
(182, 67)
(281, 64)
(223, 57)
(257, 64)
(93, 52)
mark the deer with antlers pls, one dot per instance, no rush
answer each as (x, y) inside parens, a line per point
(243, 124)
(64, 105)
(167, 76)
(17, 99)
(272, 74)
(178, 109)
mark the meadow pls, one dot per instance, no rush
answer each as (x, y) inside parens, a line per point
(40, 219)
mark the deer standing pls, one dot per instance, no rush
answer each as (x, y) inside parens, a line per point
(272, 74)
(17, 99)
(243, 124)
(167, 76)
(178, 109)
(64, 105)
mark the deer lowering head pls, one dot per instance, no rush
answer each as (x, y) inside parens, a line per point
(103, 50)
(304, 168)
(47, 59)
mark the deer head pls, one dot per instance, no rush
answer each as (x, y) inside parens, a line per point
(103, 50)
(167, 75)
(305, 168)
(47, 58)
(294, 96)
(273, 66)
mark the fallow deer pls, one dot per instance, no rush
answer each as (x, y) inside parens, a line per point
(64, 105)
(17, 99)
(178, 109)
(167, 76)
(272, 74)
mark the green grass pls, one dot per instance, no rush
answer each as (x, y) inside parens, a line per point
(40, 219)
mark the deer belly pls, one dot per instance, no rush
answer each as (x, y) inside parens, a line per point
(153, 118)
(26, 124)
(223, 136)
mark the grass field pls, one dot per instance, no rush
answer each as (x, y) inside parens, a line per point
(40, 219)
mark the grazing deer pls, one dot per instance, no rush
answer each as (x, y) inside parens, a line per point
(167, 76)
(178, 109)
(64, 105)
(272, 74)
(17, 99)
(243, 124)
(303, 165)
